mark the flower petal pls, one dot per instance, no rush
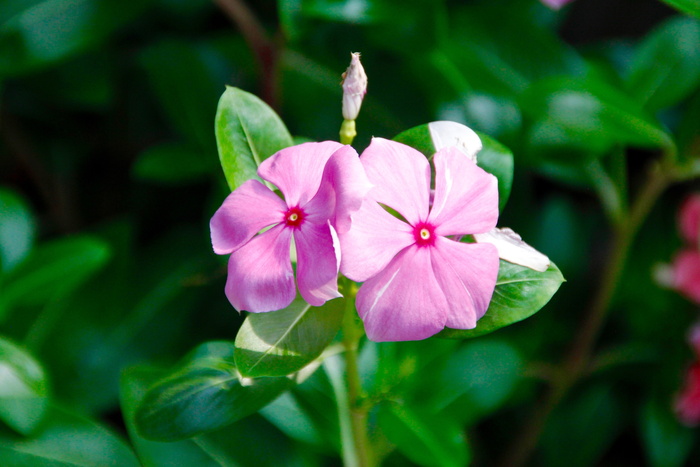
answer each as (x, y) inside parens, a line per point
(446, 133)
(513, 249)
(686, 274)
(401, 178)
(467, 274)
(466, 197)
(343, 188)
(374, 238)
(404, 301)
(297, 170)
(260, 276)
(246, 211)
(317, 263)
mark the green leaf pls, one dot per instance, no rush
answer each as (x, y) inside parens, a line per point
(248, 131)
(575, 117)
(493, 157)
(283, 342)
(666, 67)
(43, 32)
(17, 230)
(424, 438)
(520, 292)
(173, 163)
(667, 443)
(24, 393)
(53, 270)
(256, 442)
(67, 440)
(477, 379)
(205, 395)
(690, 7)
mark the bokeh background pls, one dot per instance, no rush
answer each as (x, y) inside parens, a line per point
(109, 174)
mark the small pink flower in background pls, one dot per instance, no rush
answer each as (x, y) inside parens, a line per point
(322, 184)
(416, 279)
(555, 4)
(688, 401)
(685, 274)
(689, 220)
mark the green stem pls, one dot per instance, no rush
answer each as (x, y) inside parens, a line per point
(348, 389)
(579, 356)
(347, 132)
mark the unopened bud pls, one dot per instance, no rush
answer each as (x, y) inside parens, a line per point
(354, 87)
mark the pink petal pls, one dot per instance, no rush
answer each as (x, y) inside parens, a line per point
(246, 211)
(689, 219)
(260, 276)
(686, 274)
(345, 182)
(404, 301)
(317, 263)
(401, 178)
(466, 197)
(297, 170)
(374, 238)
(688, 401)
(555, 4)
(467, 274)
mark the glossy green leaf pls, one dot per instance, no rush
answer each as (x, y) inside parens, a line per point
(40, 33)
(477, 379)
(282, 342)
(248, 131)
(67, 440)
(690, 7)
(24, 392)
(424, 438)
(574, 117)
(666, 67)
(248, 442)
(17, 229)
(205, 395)
(493, 157)
(54, 269)
(520, 292)
(173, 163)
(666, 442)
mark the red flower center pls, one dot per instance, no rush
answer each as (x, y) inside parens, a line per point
(294, 217)
(424, 234)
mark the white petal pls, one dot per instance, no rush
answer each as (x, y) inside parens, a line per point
(513, 249)
(445, 134)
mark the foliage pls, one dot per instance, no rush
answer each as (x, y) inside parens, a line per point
(109, 134)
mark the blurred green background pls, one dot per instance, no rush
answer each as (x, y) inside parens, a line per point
(109, 174)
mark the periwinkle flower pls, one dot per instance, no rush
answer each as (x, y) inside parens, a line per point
(323, 184)
(354, 87)
(417, 279)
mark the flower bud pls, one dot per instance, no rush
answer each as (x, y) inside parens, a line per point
(354, 87)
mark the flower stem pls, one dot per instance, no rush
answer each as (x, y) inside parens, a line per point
(578, 358)
(345, 379)
(347, 132)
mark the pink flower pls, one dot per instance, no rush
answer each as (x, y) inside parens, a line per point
(689, 220)
(685, 274)
(323, 184)
(555, 4)
(417, 280)
(688, 401)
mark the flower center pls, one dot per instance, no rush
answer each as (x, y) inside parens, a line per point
(294, 217)
(424, 234)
